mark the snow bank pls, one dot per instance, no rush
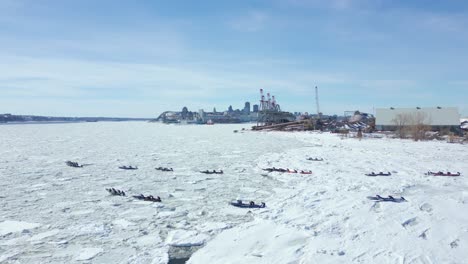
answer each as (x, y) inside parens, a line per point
(210, 227)
(43, 235)
(257, 242)
(148, 240)
(186, 238)
(122, 223)
(7, 227)
(152, 256)
(88, 253)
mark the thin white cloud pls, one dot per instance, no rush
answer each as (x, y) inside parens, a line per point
(342, 4)
(390, 85)
(10, 5)
(446, 23)
(161, 64)
(460, 83)
(332, 4)
(253, 21)
(138, 45)
(84, 80)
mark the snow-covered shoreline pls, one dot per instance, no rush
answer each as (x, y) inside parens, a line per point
(340, 224)
(64, 214)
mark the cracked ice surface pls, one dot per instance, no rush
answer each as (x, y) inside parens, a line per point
(51, 213)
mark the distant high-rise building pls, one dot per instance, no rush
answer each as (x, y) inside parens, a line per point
(255, 108)
(247, 107)
(184, 112)
(230, 109)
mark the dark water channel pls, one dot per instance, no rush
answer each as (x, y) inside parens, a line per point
(178, 260)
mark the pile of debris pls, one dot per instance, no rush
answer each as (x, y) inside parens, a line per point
(358, 122)
(287, 126)
(464, 125)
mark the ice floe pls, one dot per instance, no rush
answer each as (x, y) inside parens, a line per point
(186, 238)
(10, 226)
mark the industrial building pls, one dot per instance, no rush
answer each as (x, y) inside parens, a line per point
(270, 112)
(438, 118)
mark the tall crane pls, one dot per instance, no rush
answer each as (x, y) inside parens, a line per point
(268, 103)
(317, 101)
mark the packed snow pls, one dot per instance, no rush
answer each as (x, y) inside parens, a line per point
(52, 213)
(7, 227)
(186, 238)
(88, 253)
(257, 241)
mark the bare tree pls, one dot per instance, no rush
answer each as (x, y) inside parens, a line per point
(414, 125)
(419, 125)
(401, 122)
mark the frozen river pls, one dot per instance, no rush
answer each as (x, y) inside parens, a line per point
(77, 216)
(51, 213)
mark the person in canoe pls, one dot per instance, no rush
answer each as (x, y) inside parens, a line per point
(390, 198)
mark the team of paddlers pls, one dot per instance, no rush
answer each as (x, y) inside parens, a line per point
(73, 164)
(115, 192)
(287, 170)
(315, 159)
(390, 198)
(430, 173)
(252, 204)
(379, 174)
(441, 173)
(164, 169)
(128, 168)
(212, 172)
(151, 198)
(148, 198)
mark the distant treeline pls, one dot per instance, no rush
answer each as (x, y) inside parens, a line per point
(5, 118)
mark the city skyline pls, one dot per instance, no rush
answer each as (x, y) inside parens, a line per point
(107, 58)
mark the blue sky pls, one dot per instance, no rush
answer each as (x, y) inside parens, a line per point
(139, 58)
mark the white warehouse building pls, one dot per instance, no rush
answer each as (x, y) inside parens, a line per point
(436, 117)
